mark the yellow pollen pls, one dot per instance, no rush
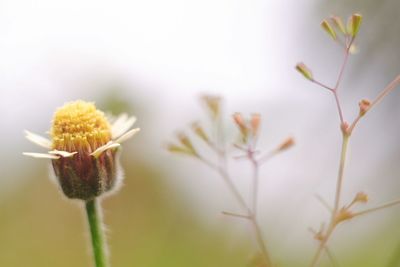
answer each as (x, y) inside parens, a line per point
(79, 126)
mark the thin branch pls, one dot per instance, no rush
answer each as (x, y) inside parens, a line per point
(383, 206)
(342, 68)
(390, 87)
(339, 183)
(254, 191)
(322, 245)
(261, 242)
(268, 156)
(236, 215)
(332, 224)
(323, 202)
(231, 186)
(331, 257)
(322, 85)
(339, 108)
(386, 91)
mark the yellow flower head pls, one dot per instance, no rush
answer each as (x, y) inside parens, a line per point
(83, 148)
(79, 126)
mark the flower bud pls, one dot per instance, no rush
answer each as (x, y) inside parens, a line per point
(353, 24)
(185, 141)
(80, 128)
(198, 130)
(255, 123)
(303, 69)
(364, 106)
(288, 143)
(86, 177)
(361, 197)
(338, 22)
(328, 28)
(213, 104)
(241, 123)
(343, 215)
(345, 127)
(178, 149)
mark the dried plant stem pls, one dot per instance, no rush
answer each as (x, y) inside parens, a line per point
(222, 171)
(251, 217)
(99, 245)
(383, 206)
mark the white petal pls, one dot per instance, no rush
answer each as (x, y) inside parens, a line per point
(38, 140)
(101, 149)
(127, 135)
(121, 125)
(64, 154)
(41, 155)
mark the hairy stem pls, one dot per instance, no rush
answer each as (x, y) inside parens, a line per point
(99, 245)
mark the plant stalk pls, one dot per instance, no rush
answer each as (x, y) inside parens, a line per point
(99, 245)
(339, 185)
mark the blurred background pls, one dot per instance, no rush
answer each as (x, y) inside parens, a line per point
(154, 59)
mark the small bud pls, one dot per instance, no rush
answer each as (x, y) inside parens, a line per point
(345, 128)
(364, 106)
(288, 143)
(319, 236)
(196, 127)
(255, 123)
(338, 22)
(303, 69)
(353, 24)
(343, 215)
(185, 141)
(213, 104)
(361, 197)
(328, 28)
(178, 149)
(238, 118)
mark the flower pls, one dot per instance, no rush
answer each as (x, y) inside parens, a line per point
(83, 148)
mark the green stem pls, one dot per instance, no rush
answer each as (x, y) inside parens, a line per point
(345, 142)
(335, 210)
(99, 245)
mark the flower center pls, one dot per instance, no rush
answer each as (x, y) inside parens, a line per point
(79, 126)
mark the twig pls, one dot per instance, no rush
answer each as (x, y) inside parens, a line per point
(383, 206)
(236, 215)
(339, 183)
(323, 202)
(390, 87)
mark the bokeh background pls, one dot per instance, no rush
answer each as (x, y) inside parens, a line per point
(154, 59)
